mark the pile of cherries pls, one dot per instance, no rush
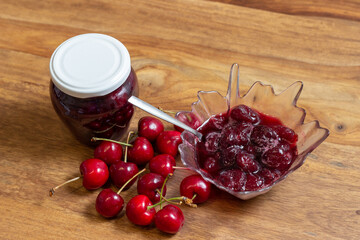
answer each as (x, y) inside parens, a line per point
(245, 150)
(122, 167)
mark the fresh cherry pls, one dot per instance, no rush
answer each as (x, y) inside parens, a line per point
(94, 173)
(121, 172)
(138, 212)
(162, 164)
(141, 152)
(168, 142)
(109, 203)
(109, 152)
(169, 219)
(150, 185)
(150, 128)
(195, 186)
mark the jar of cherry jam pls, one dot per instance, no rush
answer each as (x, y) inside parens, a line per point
(91, 81)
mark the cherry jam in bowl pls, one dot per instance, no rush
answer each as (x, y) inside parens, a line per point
(251, 142)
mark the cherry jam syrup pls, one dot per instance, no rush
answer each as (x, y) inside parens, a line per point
(245, 150)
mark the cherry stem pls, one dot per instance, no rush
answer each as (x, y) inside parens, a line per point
(167, 111)
(52, 190)
(133, 136)
(182, 198)
(126, 148)
(181, 168)
(94, 139)
(130, 180)
(162, 188)
(195, 195)
(166, 200)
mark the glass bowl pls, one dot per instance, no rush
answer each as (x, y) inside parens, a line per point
(262, 98)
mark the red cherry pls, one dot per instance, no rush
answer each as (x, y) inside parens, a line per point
(141, 152)
(109, 203)
(170, 219)
(195, 184)
(162, 164)
(121, 172)
(109, 152)
(95, 173)
(150, 128)
(168, 142)
(189, 119)
(137, 210)
(150, 185)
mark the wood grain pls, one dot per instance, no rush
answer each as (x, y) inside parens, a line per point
(178, 48)
(345, 9)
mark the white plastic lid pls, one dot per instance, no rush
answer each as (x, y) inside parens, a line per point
(90, 65)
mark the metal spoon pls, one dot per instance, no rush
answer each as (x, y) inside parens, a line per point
(160, 114)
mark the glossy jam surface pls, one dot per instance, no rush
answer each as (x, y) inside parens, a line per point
(105, 116)
(245, 150)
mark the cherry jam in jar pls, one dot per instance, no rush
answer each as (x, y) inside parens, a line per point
(91, 82)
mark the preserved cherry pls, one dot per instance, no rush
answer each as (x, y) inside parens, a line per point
(245, 150)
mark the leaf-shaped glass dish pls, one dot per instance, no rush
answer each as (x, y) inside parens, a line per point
(262, 98)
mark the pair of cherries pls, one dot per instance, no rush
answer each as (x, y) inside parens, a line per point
(170, 219)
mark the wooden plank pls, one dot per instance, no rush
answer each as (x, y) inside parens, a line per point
(346, 9)
(178, 48)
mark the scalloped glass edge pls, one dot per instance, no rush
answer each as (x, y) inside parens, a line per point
(262, 97)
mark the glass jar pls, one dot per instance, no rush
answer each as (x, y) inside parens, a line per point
(91, 81)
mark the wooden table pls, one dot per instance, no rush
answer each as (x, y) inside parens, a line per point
(178, 48)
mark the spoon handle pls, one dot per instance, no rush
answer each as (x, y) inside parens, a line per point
(160, 114)
(233, 92)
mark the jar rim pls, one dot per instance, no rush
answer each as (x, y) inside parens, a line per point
(90, 65)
